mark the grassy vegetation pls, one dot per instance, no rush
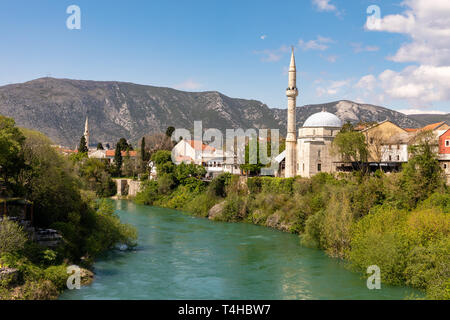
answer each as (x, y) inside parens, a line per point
(399, 222)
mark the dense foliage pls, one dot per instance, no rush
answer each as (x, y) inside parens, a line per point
(51, 182)
(399, 221)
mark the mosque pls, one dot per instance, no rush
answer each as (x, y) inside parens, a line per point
(309, 152)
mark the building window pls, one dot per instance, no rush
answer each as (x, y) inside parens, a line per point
(318, 154)
(303, 167)
(319, 167)
(371, 140)
(447, 143)
(445, 166)
(398, 147)
(398, 158)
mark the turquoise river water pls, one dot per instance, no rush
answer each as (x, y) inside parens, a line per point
(183, 257)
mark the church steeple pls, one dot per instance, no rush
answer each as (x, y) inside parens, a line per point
(291, 143)
(86, 131)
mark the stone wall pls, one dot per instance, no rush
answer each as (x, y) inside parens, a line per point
(127, 187)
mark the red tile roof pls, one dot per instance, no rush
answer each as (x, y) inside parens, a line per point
(111, 153)
(432, 126)
(203, 146)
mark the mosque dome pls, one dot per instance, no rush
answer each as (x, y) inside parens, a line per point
(323, 119)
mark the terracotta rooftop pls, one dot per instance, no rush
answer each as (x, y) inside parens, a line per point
(111, 153)
(203, 146)
(432, 126)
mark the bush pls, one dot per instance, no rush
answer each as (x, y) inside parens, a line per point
(409, 247)
(218, 186)
(12, 237)
(165, 183)
(149, 193)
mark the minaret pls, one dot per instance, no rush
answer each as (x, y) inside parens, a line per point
(291, 143)
(86, 132)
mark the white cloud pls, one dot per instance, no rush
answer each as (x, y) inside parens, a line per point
(321, 43)
(367, 82)
(332, 58)
(427, 24)
(189, 84)
(269, 55)
(421, 111)
(324, 5)
(359, 47)
(263, 37)
(333, 87)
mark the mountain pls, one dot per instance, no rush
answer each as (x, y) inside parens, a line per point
(58, 108)
(426, 119)
(349, 111)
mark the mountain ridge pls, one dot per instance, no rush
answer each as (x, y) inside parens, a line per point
(58, 107)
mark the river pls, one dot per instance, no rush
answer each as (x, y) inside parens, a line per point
(184, 257)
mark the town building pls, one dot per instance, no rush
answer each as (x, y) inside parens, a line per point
(108, 155)
(212, 159)
(444, 153)
(308, 153)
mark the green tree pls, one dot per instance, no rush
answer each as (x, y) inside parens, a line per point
(11, 156)
(123, 145)
(118, 161)
(162, 159)
(82, 148)
(170, 130)
(100, 146)
(254, 167)
(352, 147)
(144, 153)
(12, 237)
(422, 174)
(95, 174)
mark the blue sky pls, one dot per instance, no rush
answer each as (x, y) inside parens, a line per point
(240, 48)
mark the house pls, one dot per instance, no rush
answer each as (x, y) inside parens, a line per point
(444, 153)
(380, 138)
(394, 150)
(108, 155)
(212, 159)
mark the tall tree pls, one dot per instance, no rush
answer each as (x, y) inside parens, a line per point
(123, 145)
(144, 155)
(11, 156)
(100, 146)
(82, 148)
(170, 130)
(118, 160)
(352, 147)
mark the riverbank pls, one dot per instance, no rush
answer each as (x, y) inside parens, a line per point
(184, 257)
(60, 205)
(392, 221)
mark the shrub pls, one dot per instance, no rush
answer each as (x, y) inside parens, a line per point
(165, 183)
(12, 237)
(219, 184)
(149, 193)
